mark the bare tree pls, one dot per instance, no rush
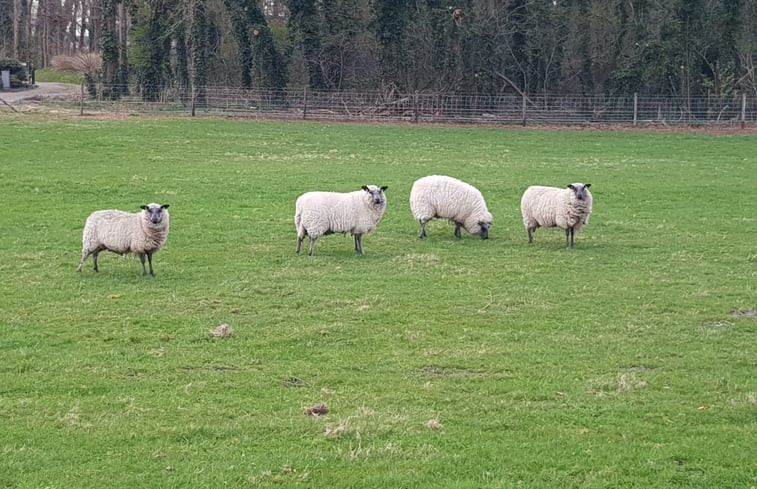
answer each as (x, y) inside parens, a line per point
(85, 63)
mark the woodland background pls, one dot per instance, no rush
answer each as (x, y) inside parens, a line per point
(583, 47)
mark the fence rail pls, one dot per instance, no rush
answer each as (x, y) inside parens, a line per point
(421, 107)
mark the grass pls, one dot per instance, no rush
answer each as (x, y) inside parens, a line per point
(57, 76)
(444, 363)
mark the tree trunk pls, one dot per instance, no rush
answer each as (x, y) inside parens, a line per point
(16, 28)
(95, 20)
(123, 31)
(70, 21)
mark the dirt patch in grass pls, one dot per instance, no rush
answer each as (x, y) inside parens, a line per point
(717, 324)
(317, 410)
(458, 372)
(744, 313)
(294, 382)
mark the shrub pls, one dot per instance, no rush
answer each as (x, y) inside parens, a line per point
(17, 71)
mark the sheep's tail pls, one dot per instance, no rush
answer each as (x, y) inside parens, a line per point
(298, 224)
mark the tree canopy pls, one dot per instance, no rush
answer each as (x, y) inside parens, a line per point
(582, 47)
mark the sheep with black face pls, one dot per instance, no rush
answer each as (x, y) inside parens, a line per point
(567, 208)
(319, 214)
(143, 233)
(439, 196)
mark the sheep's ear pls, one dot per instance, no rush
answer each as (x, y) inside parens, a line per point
(587, 185)
(164, 206)
(143, 207)
(384, 188)
(365, 188)
(571, 187)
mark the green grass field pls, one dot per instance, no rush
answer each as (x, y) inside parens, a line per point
(51, 75)
(628, 361)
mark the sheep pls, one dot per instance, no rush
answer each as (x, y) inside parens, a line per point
(449, 198)
(567, 208)
(322, 213)
(143, 233)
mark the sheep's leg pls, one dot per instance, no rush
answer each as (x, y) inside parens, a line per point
(569, 237)
(142, 259)
(299, 242)
(458, 235)
(149, 260)
(94, 259)
(530, 234)
(312, 244)
(84, 256)
(422, 234)
(359, 243)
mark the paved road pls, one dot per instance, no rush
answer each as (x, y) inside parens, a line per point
(43, 90)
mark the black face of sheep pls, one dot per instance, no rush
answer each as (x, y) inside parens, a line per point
(579, 190)
(484, 229)
(154, 213)
(377, 195)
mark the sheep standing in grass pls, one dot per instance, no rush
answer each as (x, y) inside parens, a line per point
(319, 214)
(449, 198)
(567, 208)
(143, 233)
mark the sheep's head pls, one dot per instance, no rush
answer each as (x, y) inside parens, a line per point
(376, 195)
(484, 229)
(580, 190)
(155, 213)
(479, 225)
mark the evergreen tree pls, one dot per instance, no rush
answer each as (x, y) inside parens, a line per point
(268, 70)
(110, 49)
(304, 25)
(6, 28)
(199, 45)
(390, 20)
(259, 59)
(151, 48)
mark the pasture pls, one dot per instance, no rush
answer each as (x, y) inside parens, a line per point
(628, 361)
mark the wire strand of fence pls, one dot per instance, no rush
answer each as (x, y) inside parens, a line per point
(425, 107)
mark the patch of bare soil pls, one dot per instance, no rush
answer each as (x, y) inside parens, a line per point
(744, 313)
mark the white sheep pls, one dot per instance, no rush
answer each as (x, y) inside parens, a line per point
(438, 196)
(567, 208)
(143, 233)
(319, 214)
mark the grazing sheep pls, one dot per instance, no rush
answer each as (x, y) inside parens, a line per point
(567, 208)
(319, 214)
(143, 233)
(449, 198)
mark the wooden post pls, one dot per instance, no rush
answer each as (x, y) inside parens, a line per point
(81, 98)
(635, 108)
(305, 103)
(743, 110)
(523, 110)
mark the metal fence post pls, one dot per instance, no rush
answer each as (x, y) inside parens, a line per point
(523, 110)
(305, 103)
(635, 107)
(743, 110)
(194, 98)
(415, 107)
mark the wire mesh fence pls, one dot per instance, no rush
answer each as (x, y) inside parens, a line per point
(422, 107)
